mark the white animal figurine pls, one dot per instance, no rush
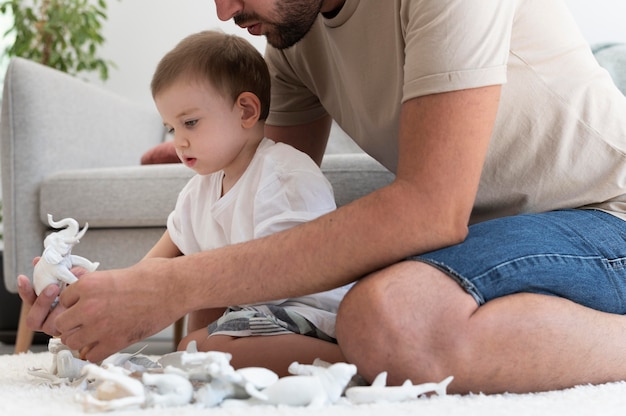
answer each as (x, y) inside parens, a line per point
(133, 362)
(238, 386)
(311, 386)
(170, 389)
(66, 366)
(380, 392)
(57, 259)
(219, 380)
(114, 389)
(199, 366)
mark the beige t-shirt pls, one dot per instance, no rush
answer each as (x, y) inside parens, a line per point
(560, 135)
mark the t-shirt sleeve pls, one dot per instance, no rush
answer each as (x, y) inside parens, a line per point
(293, 102)
(456, 44)
(294, 191)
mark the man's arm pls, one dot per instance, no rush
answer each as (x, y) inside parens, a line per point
(443, 141)
(310, 138)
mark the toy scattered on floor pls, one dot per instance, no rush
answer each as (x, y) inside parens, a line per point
(66, 366)
(206, 379)
(310, 385)
(380, 392)
(57, 259)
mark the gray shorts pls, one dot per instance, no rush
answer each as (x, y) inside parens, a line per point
(264, 320)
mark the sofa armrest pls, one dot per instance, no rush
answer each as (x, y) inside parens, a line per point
(52, 121)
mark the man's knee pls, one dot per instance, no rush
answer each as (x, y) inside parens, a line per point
(403, 320)
(404, 293)
(366, 307)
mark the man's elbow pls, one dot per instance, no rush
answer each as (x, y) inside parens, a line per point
(452, 227)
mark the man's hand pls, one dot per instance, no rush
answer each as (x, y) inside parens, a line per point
(41, 316)
(106, 311)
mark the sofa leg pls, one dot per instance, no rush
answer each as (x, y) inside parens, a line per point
(178, 332)
(24, 338)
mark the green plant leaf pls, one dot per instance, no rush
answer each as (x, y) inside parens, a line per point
(63, 34)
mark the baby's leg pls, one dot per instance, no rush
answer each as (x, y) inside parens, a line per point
(275, 352)
(197, 323)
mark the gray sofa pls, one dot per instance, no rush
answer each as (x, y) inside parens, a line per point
(71, 149)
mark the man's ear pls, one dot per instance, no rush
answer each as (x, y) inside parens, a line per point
(250, 107)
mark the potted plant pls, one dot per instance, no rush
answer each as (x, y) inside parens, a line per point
(62, 34)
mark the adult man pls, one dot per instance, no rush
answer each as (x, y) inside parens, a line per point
(467, 103)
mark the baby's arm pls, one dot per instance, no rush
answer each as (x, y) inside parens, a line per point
(196, 320)
(165, 247)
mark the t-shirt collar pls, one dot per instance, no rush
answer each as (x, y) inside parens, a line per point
(344, 14)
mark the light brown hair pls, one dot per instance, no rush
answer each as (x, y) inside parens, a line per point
(228, 62)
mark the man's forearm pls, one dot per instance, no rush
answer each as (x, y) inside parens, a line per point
(331, 251)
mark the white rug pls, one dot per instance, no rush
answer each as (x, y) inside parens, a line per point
(23, 394)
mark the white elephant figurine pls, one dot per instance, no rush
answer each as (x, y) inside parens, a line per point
(57, 259)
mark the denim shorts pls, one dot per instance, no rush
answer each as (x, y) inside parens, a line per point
(575, 254)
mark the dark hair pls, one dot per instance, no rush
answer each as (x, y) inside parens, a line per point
(230, 63)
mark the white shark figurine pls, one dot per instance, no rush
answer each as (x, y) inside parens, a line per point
(380, 392)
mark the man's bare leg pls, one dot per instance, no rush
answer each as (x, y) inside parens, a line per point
(417, 323)
(275, 352)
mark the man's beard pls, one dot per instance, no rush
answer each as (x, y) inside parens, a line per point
(294, 20)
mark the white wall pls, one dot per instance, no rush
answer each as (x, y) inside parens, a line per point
(600, 20)
(139, 32)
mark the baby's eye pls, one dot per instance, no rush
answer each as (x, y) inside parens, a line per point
(170, 130)
(191, 123)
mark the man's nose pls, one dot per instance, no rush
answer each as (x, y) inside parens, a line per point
(226, 9)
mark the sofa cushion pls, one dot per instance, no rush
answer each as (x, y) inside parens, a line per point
(134, 196)
(354, 175)
(143, 196)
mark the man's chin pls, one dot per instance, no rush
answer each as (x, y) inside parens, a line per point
(282, 42)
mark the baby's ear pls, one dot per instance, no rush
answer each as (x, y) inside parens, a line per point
(250, 107)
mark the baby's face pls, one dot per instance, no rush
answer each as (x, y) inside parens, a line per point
(206, 126)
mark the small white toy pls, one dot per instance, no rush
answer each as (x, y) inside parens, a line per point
(220, 381)
(133, 362)
(380, 392)
(57, 259)
(66, 366)
(199, 366)
(206, 379)
(115, 389)
(171, 389)
(310, 385)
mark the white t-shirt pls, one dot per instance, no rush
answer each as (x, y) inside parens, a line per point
(282, 187)
(560, 136)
